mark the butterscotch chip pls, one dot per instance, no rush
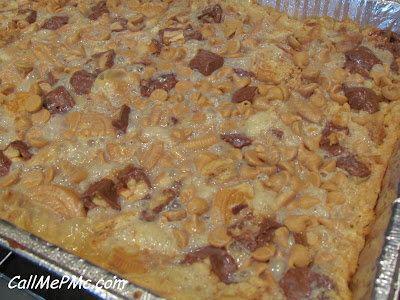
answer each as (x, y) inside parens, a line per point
(183, 86)
(159, 94)
(33, 103)
(49, 174)
(197, 206)
(9, 179)
(40, 117)
(184, 72)
(181, 238)
(32, 179)
(264, 253)
(36, 139)
(219, 237)
(194, 225)
(79, 176)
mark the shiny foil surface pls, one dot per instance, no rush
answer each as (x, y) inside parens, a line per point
(63, 263)
(381, 14)
(387, 276)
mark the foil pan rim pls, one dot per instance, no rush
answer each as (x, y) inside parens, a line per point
(64, 263)
(384, 14)
(388, 263)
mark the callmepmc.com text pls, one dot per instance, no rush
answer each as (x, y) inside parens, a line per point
(70, 282)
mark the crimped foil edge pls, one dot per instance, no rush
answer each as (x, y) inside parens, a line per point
(386, 285)
(63, 263)
(384, 14)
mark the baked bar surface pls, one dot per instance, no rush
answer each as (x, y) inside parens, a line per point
(201, 149)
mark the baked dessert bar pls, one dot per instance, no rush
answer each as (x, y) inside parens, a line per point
(201, 149)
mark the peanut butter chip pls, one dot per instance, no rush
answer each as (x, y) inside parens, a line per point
(159, 95)
(32, 179)
(40, 117)
(33, 103)
(219, 237)
(264, 253)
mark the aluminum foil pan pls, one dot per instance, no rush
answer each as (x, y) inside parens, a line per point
(65, 264)
(388, 263)
(381, 14)
(378, 273)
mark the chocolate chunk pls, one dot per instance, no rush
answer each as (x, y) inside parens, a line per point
(253, 240)
(59, 101)
(300, 238)
(98, 10)
(238, 208)
(353, 166)
(278, 133)
(109, 58)
(146, 89)
(5, 164)
(31, 18)
(22, 148)
(362, 98)
(105, 189)
(224, 266)
(51, 79)
(199, 254)
(298, 284)
(55, 22)
(165, 199)
(15, 245)
(88, 204)
(394, 66)
(331, 127)
(388, 40)
(195, 35)
(174, 120)
(335, 149)
(123, 22)
(146, 216)
(247, 240)
(351, 41)
(189, 27)
(364, 57)
(244, 94)
(133, 172)
(243, 73)
(266, 233)
(355, 68)
(222, 263)
(325, 142)
(165, 82)
(82, 82)
(206, 62)
(106, 58)
(210, 14)
(123, 118)
(155, 47)
(393, 43)
(167, 37)
(236, 140)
